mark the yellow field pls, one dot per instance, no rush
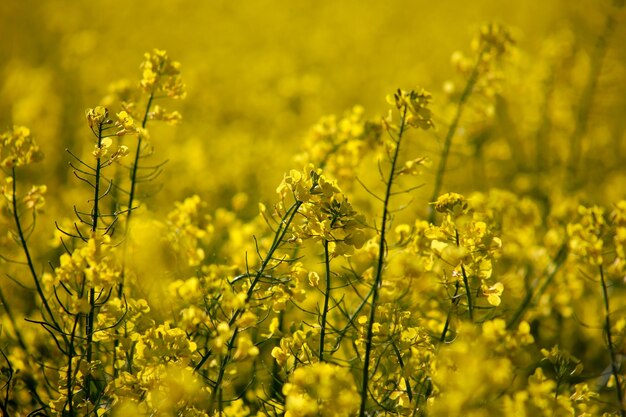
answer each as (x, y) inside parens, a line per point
(310, 208)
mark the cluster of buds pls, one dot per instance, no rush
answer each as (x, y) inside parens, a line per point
(415, 103)
(493, 40)
(161, 75)
(99, 123)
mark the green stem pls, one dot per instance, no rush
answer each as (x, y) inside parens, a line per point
(468, 294)
(326, 301)
(70, 376)
(89, 320)
(532, 295)
(18, 333)
(131, 200)
(29, 260)
(586, 99)
(277, 382)
(455, 301)
(447, 143)
(611, 346)
(133, 173)
(542, 135)
(95, 214)
(133, 186)
(468, 291)
(90, 330)
(278, 239)
(379, 268)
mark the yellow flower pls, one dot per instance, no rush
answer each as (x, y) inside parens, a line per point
(96, 117)
(34, 199)
(103, 149)
(452, 203)
(321, 389)
(314, 279)
(125, 124)
(280, 355)
(493, 293)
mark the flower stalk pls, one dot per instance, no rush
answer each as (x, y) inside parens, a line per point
(380, 266)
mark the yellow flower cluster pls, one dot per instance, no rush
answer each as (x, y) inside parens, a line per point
(189, 228)
(326, 213)
(298, 347)
(161, 75)
(413, 352)
(163, 344)
(34, 199)
(93, 265)
(99, 123)
(163, 390)
(618, 221)
(338, 145)
(539, 399)
(18, 147)
(416, 104)
(97, 117)
(452, 203)
(320, 389)
(493, 40)
(465, 243)
(586, 235)
(293, 288)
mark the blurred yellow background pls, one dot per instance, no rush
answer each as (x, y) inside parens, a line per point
(258, 73)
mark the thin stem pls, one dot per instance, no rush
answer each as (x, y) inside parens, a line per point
(611, 346)
(468, 294)
(129, 211)
(133, 181)
(586, 99)
(542, 135)
(447, 143)
(90, 330)
(133, 174)
(277, 381)
(95, 213)
(326, 301)
(379, 268)
(532, 295)
(29, 260)
(89, 320)
(18, 333)
(455, 301)
(70, 377)
(10, 372)
(468, 291)
(278, 239)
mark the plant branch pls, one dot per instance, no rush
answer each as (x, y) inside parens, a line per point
(447, 143)
(379, 267)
